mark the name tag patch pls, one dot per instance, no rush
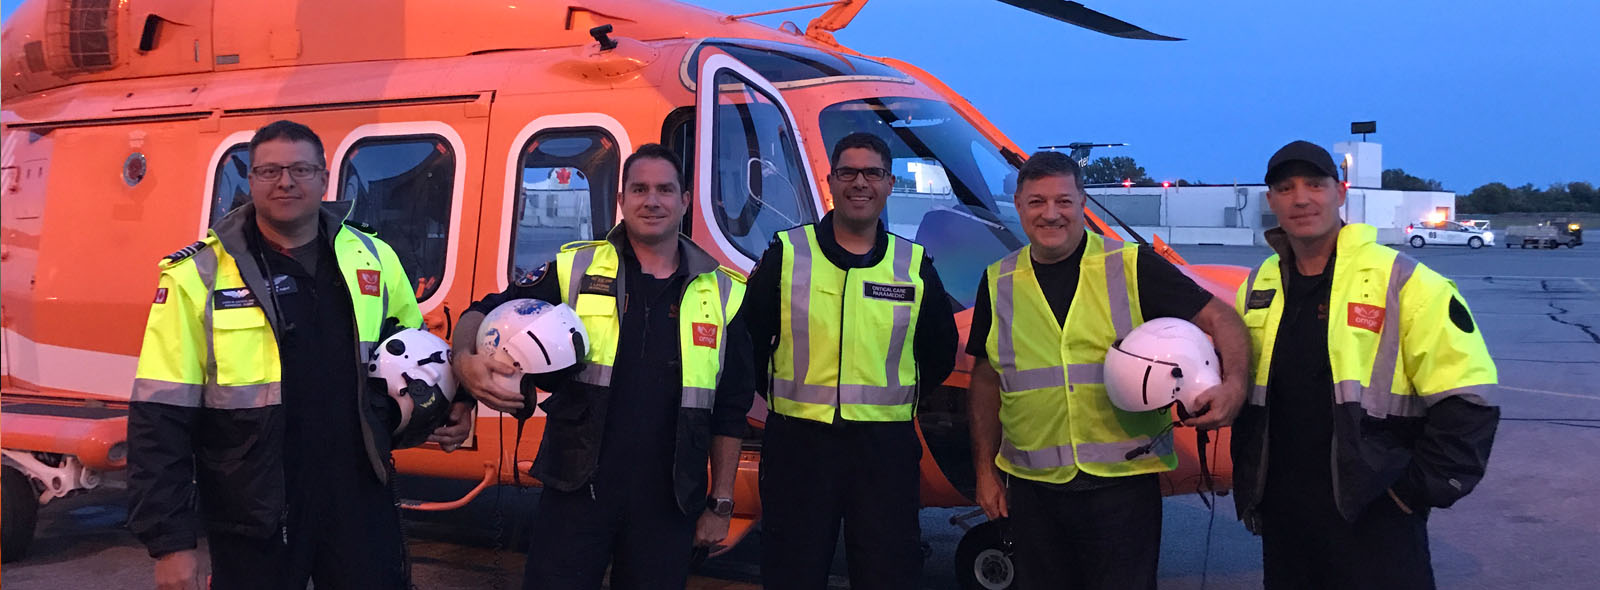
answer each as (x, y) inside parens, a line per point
(234, 298)
(598, 285)
(899, 293)
(1366, 317)
(285, 285)
(368, 279)
(1260, 298)
(705, 335)
(161, 295)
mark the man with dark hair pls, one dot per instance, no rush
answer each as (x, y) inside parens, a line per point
(252, 396)
(854, 321)
(1076, 475)
(665, 386)
(1371, 375)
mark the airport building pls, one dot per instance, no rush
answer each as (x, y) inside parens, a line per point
(1235, 215)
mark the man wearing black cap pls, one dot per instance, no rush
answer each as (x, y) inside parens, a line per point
(1369, 383)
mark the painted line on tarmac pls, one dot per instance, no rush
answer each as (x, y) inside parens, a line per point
(1533, 277)
(1585, 284)
(1548, 392)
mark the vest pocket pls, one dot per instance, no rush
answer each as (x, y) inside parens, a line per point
(240, 338)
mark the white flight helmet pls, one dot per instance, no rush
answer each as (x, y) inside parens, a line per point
(1161, 362)
(534, 336)
(415, 366)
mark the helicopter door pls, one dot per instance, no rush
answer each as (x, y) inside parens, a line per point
(752, 178)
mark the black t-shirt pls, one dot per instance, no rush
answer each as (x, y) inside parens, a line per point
(1300, 393)
(1164, 292)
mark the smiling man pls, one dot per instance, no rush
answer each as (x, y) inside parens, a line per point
(854, 321)
(664, 388)
(1076, 475)
(251, 394)
(1371, 374)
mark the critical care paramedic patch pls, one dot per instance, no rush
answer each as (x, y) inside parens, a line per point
(598, 285)
(234, 298)
(1366, 317)
(368, 279)
(900, 293)
(705, 335)
(161, 295)
(1260, 298)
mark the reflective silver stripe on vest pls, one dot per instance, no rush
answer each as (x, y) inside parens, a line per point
(1258, 395)
(902, 259)
(205, 263)
(1003, 306)
(156, 391)
(594, 374)
(724, 286)
(580, 266)
(1117, 289)
(242, 397)
(1062, 456)
(873, 395)
(799, 321)
(1046, 377)
(800, 392)
(1476, 394)
(383, 288)
(1378, 398)
(897, 337)
(698, 398)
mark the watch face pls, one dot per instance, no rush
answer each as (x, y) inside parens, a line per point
(720, 506)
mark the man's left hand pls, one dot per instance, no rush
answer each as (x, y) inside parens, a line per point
(711, 530)
(1220, 403)
(455, 429)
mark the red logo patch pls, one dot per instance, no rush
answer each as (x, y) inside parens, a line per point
(161, 295)
(368, 280)
(705, 335)
(1366, 317)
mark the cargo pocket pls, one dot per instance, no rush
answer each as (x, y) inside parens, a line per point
(244, 345)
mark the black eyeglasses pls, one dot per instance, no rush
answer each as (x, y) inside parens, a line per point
(848, 174)
(296, 171)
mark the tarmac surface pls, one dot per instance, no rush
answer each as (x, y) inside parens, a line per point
(1532, 523)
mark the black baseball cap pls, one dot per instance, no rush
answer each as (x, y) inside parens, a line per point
(1302, 151)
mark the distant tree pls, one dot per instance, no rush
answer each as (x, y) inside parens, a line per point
(1496, 197)
(1114, 171)
(1397, 179)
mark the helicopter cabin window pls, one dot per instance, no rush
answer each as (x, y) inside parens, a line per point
(758, 184)
(231, 187)
(403, 187)
(784, 63)
(567, 193)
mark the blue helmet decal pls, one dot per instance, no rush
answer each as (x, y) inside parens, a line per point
(491, 338)
(530, 307)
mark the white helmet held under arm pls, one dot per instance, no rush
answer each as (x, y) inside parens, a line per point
(1161, 362)
(534, 336)
(415, 366)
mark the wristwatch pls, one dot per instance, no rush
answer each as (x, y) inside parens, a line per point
(720, 506)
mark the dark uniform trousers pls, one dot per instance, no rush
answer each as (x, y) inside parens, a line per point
(355, 550)
(1385, 548)
(1105, 538)
(814, 475)
(642, 534)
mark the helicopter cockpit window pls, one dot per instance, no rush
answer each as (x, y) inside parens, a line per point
(403, 187)
(231, 187)
(952, 189)
(567, 193)
(758, 184)
(782, 63)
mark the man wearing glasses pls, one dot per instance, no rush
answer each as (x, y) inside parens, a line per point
(853, 320)
(251, 394)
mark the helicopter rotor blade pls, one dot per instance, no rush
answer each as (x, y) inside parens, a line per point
(1080, 15)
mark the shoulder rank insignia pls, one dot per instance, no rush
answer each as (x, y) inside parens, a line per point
(186, 252)
(362, 227)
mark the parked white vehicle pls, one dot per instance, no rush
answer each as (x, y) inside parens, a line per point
(1448, 233)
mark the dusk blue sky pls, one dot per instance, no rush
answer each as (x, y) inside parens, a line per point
(1464, 92)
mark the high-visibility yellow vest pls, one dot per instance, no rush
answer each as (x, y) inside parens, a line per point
(1391, 345)
(209, 341)
(1055, 416)
(592, 283)
(845, 339)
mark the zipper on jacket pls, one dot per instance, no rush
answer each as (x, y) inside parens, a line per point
(284, 523)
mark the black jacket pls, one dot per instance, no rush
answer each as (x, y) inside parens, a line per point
(934, 348)
(231, 462)
(577, 414)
